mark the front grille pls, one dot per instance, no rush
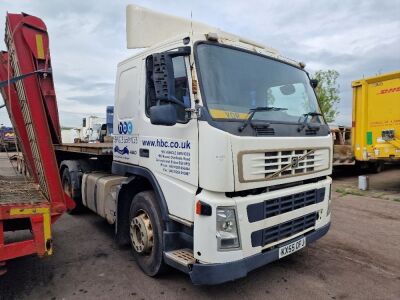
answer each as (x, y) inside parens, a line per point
(276, 160)
(284, 230)
(280, 205)
(276, 164)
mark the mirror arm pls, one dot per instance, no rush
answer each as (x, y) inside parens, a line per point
(172, 100)
(196, 110)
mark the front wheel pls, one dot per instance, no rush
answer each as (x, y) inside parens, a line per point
(146, 233)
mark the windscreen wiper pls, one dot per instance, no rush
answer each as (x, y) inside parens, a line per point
(306, 115)
(252, 112)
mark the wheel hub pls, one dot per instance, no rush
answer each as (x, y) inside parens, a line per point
(141, 232)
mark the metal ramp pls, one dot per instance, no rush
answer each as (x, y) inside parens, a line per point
(28, 91)
(28, 51)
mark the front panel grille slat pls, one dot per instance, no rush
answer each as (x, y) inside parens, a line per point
(282, 159)
(282, 231)
(284, 204)
(277, 164)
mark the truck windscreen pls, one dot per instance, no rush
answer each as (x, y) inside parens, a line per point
(234, 81)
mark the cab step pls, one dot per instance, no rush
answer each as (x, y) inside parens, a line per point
(181, 256)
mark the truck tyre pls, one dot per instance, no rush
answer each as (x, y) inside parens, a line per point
(146, 233)
(377, 167)
(67, 187)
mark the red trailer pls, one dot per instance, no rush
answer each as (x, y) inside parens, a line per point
(28, 91)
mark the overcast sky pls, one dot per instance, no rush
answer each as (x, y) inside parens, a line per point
(87, 40)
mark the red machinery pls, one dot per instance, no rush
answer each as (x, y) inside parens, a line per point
(31, 103)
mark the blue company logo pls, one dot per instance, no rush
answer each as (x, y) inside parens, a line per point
(125, 127)
(123, 151)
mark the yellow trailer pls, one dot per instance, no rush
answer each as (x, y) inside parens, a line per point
(376, 118)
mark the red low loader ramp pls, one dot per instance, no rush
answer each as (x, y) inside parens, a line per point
(28, 91)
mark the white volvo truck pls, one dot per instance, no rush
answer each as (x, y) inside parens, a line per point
(221, 158)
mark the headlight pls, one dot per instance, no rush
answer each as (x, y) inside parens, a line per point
(227, 231)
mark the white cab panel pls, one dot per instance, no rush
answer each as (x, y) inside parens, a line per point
(126, 128)
(215, 159)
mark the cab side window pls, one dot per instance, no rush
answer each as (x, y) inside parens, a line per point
(181, 86)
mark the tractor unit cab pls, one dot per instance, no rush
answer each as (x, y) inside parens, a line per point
(232, 133)
(221, 157)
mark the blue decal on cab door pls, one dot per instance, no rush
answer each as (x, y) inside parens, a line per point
(125, 127)
(130, 127)
(123, 151)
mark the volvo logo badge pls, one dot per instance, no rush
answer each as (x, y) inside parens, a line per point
(295, 162)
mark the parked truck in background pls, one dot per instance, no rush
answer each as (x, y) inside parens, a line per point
(220, 159)
(7, 139)
(70, 135)
(376, 119)
(374, 137)
(93, 129)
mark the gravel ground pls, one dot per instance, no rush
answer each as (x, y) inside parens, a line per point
(358, 259)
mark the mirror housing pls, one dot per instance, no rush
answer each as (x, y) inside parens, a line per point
(163, 115)
(164, 86)
(163, 72)
(314, 83)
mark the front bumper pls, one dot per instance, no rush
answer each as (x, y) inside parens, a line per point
(219, 273)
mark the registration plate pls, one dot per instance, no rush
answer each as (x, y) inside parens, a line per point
(292, 247)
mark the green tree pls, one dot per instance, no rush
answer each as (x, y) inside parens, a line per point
(328, 93)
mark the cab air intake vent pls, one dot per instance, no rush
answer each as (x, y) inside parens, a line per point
(264, 131)
(310, 132)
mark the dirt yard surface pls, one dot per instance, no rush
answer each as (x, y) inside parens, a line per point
(359, 258)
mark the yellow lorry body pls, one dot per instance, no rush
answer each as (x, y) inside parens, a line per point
(376, 117)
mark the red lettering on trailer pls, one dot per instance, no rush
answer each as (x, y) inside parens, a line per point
(391, 90)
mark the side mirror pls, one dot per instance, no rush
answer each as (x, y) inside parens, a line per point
(161, 70)
(163, 73)
(314, 83)
(163, 115)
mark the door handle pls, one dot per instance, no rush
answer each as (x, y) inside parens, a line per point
(144, 152)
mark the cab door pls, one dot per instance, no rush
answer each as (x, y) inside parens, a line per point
(171, 152)
(126, 128)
